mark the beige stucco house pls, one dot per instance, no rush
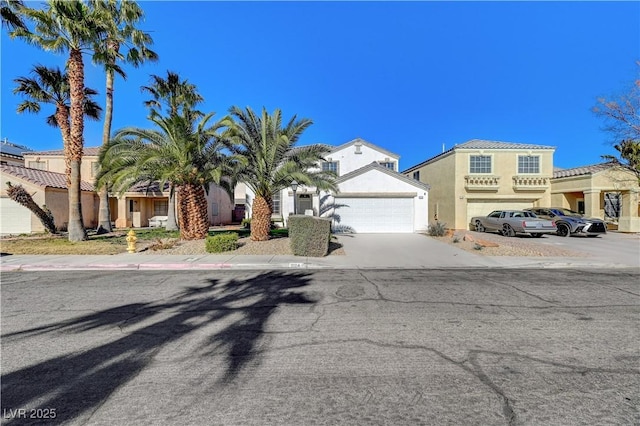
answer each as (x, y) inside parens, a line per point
(131, 209)
(46, 188)
(479, 176)
(605, 190)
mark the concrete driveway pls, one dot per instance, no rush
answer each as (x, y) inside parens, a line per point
(421, 251)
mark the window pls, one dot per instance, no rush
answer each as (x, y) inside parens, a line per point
(480, 164)
(40, 165)
(416, 175)
(528, 164)
(388, 164)
(330, 166)
(276, 203)
(160, 207)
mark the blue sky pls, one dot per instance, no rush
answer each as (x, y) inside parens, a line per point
(407, 76)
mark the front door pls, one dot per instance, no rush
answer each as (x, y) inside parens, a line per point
(305, 202)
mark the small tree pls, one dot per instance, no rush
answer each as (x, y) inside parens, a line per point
(21, 196)
(622, 120)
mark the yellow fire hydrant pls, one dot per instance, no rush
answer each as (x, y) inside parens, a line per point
(131, 241)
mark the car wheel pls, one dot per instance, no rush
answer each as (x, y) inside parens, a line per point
(563, 230)
(480, 227)
(508, 231)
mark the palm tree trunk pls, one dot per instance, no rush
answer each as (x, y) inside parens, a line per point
(172, 224)
(104, 215)
(75, 226)
(62, 118)
(261, 218)
(21, 196)
(193, 212)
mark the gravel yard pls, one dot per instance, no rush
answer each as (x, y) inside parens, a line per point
(275, 246)
(521, 245)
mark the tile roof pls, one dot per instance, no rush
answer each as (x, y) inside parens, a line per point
(41, 178)
(377, 166)
(12, 149)
(582, 170)
(365, 143)
(480, 144)
(88, 151)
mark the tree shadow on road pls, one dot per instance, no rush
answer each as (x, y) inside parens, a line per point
(78, 383)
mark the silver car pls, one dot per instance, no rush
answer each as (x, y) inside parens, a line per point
(569, 222)
(512, 222)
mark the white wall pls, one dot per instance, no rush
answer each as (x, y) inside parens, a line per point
(350, 161)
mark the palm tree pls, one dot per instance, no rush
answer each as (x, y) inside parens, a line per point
(10, 13)
(176, 96)
(271, 161)
(21, 196)
(629, 153)
(171, 93)
(120, 19)
(51, 86)
(182, 151)
(71, 27)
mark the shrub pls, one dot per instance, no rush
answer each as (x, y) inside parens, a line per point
(456, 239)
(438, 229)
(309, 235)
(477, 247)
(161, 244)
(246, 223)
(222, 242)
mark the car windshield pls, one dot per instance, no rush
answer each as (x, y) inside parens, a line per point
(566, 212)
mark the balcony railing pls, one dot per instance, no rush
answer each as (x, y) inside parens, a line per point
(530, 183)
(481, 183)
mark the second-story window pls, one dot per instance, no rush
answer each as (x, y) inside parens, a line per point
(416, 175)
(388, 164)
(528, 164)
(40, 165)
(330, 166)
(480, 164)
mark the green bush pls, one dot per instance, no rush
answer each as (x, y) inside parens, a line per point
(437, 230)
(309, 235)
(222, 242)
(246, 223)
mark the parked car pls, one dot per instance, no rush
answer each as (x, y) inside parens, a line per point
(569, 222)
(512, 222)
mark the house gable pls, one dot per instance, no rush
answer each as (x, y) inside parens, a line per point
(358, 153)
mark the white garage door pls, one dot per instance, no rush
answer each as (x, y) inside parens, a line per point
(14, 218)
(484, 207)
(375, 215)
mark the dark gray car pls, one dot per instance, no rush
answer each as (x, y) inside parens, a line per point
(570, 222)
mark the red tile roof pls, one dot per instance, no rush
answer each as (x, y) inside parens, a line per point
(88, 151)
(582, 170)
(42, 178)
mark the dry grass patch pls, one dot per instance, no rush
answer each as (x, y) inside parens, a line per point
(59, 245)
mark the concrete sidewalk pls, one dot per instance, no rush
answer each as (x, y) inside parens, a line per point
(363, 251)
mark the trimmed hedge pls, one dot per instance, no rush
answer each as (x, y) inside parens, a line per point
(221, 242)
(309, 235)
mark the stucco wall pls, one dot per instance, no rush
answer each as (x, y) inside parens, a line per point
(55, 163)
(350, 161)
(440, 175)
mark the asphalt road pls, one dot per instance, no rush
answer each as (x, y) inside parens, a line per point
(486, 347)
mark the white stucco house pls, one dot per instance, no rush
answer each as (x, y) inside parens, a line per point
(372, 198)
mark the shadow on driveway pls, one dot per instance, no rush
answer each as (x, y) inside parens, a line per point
(79, 383)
